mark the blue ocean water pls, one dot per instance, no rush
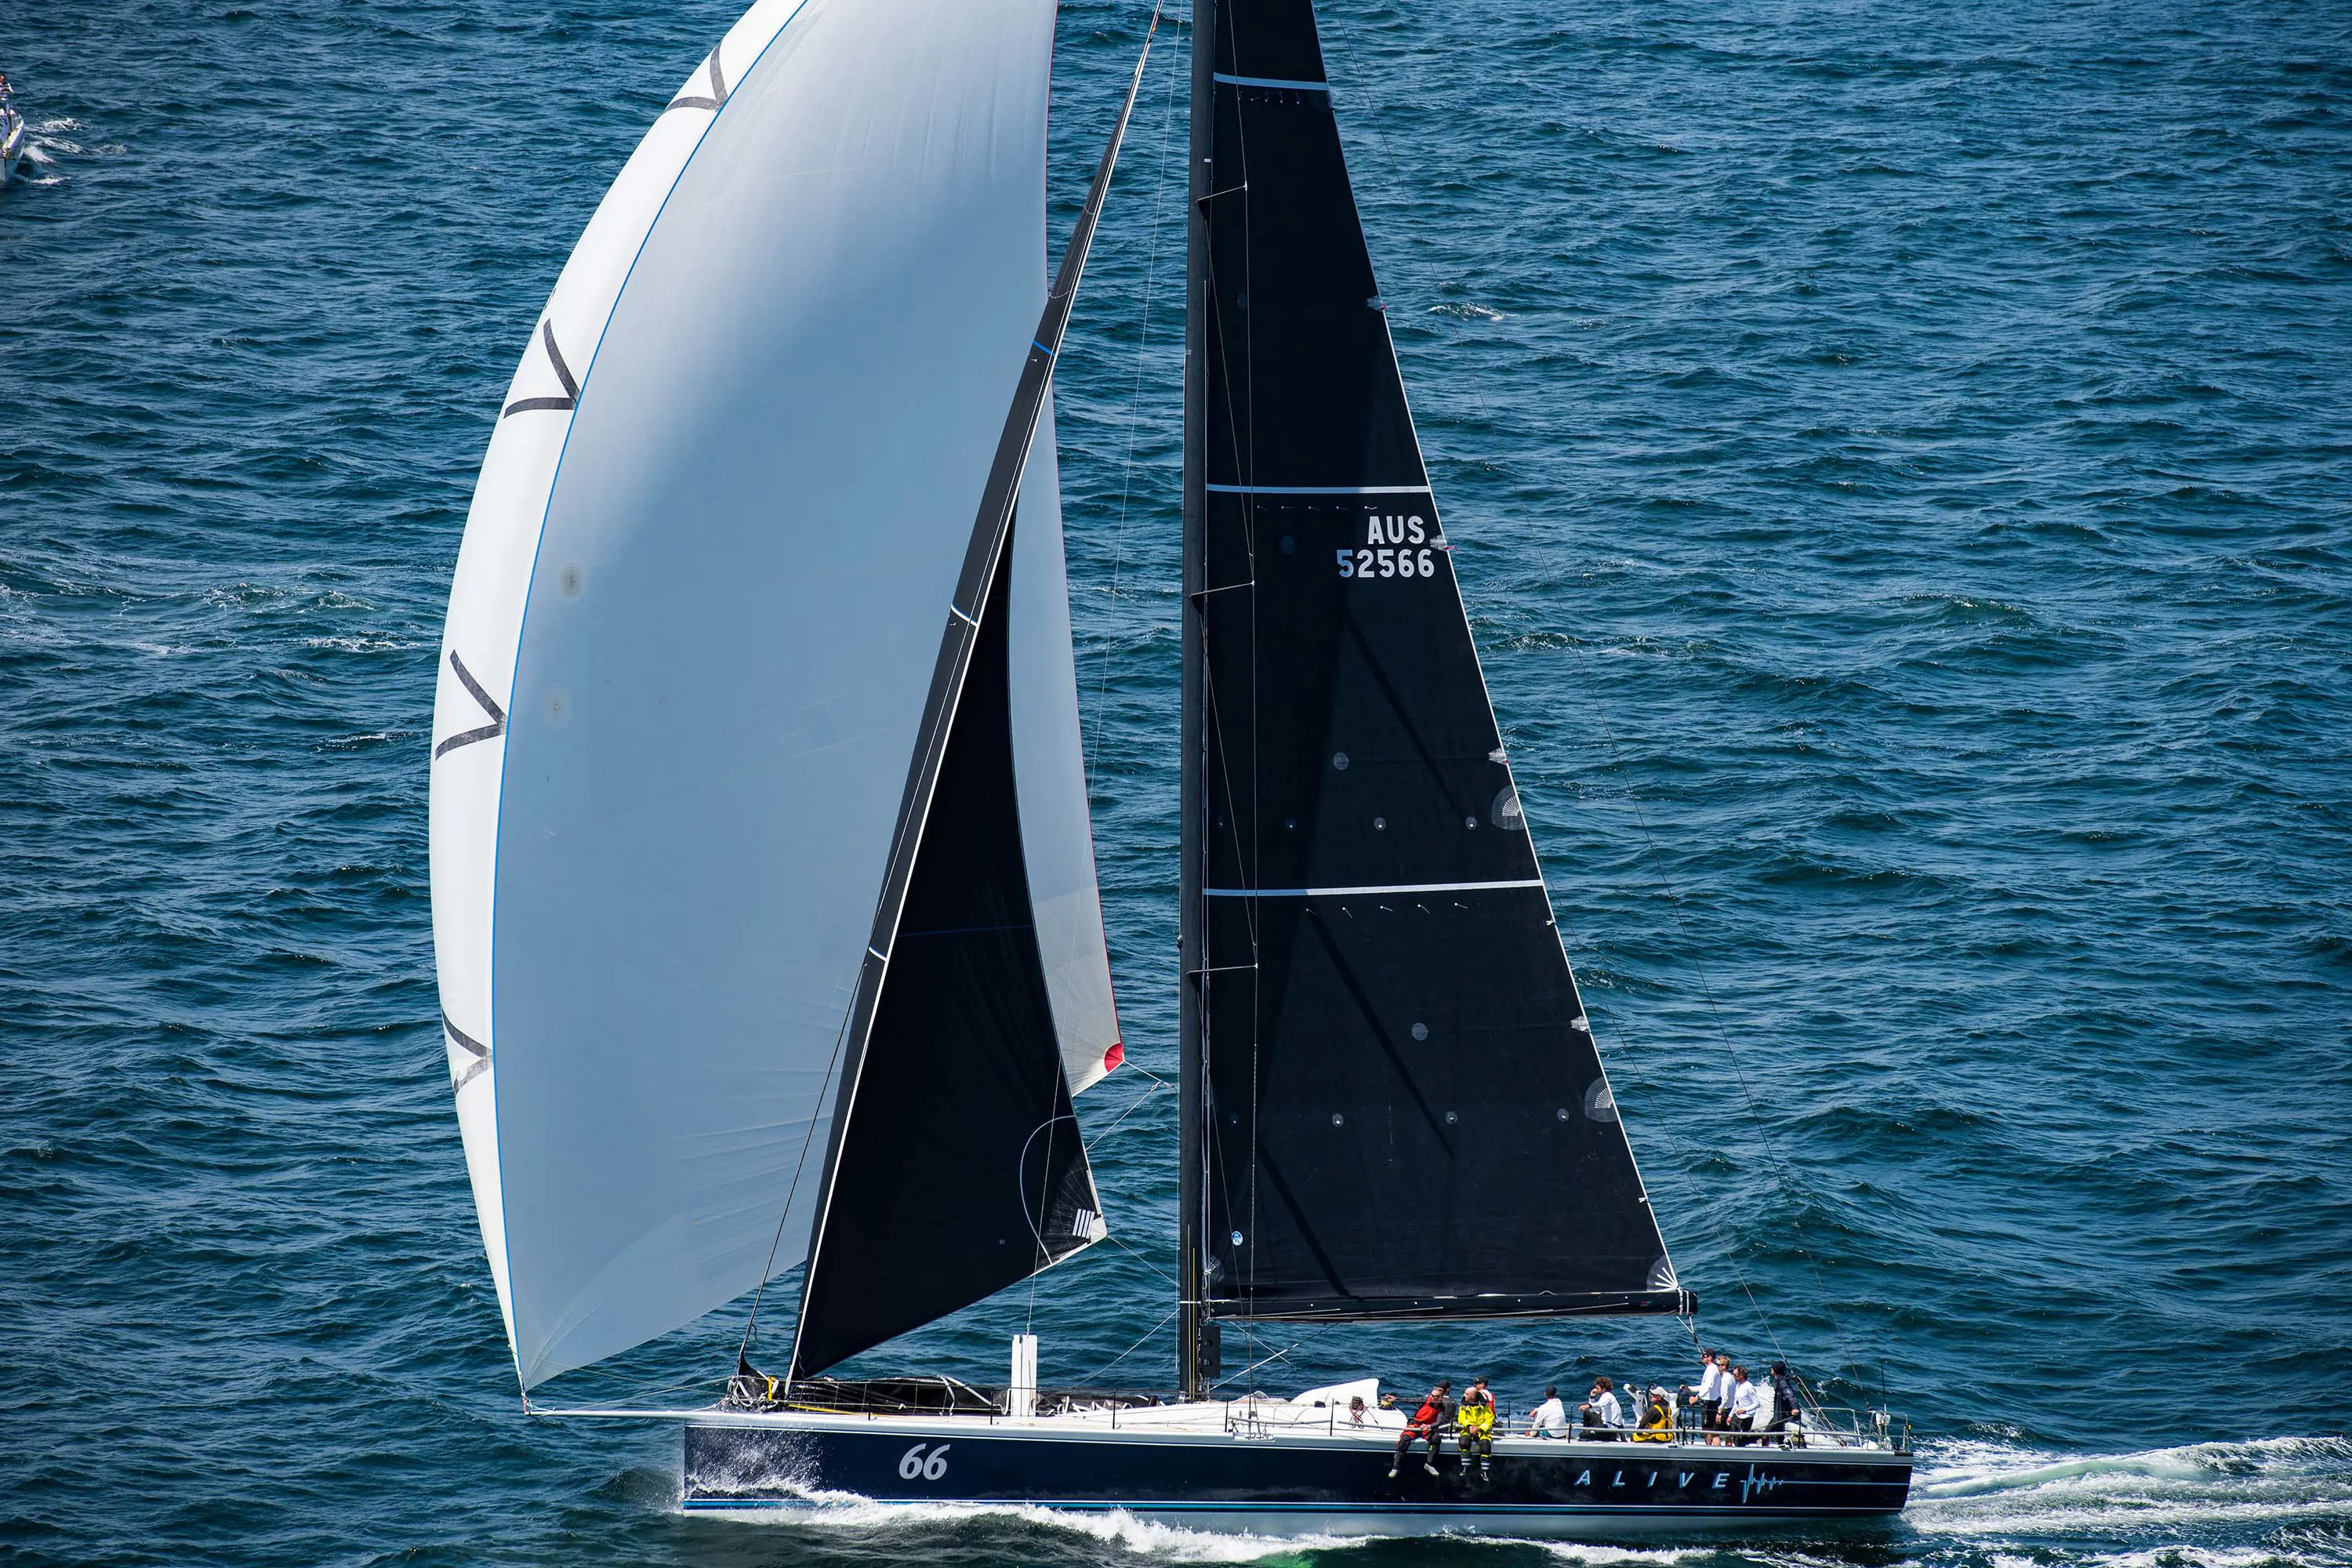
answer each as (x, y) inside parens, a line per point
(1899, 460)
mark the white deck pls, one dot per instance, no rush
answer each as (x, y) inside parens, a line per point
(1280, 1421)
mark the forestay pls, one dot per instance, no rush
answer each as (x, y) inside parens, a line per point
(690, 637)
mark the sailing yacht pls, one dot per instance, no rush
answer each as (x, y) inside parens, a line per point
(765, 910)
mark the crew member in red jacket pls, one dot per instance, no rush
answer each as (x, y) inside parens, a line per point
(1436, 1414)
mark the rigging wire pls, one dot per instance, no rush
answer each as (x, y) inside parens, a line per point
(743, 1350)
(1132, 1107)
(1138, 1256)
(1134, 406)
(1045, 1174)
(1133, 1348)
(1739, 1067)
(1270, 1360)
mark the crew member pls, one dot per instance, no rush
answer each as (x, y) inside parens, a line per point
(1712, 1375)
(1600, 1416)
(1657, 1424)
(1784, 1401)
(1474, 1426)
(1435, 1413)
(1740, 1416)
(1551, 1418)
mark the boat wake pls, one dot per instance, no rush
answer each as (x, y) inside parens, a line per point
(48, 147)
(848, 1513)
(2209, 1505)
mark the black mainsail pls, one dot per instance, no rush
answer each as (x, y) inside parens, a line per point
(1393, 1106)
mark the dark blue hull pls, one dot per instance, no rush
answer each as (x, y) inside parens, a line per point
(1289, 1484)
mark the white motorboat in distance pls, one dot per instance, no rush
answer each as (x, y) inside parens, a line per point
(12, 134)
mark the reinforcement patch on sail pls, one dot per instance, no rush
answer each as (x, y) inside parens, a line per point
(1404, 1114)
(960, 1169)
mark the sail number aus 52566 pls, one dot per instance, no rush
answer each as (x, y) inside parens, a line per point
(1394, 547)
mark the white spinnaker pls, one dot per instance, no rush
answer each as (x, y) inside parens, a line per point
(1049, 766)
(698, 601)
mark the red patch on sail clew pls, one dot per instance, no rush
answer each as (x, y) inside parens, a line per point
(1116, 1055)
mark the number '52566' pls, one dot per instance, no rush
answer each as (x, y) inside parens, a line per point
(1387, 562)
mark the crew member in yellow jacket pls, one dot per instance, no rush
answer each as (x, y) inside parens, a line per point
(1474, 1426)
(1657, 1424)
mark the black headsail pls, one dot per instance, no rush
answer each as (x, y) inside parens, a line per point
(955, 1167)
(1396, 1109)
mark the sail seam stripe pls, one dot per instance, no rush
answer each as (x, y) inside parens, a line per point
(1291, 84)
(1356, 892)
(1317, 489)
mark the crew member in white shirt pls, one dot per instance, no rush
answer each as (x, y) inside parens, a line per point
(1600, 1416)
(1747, 1399)
(1712, 1376)
(1551, 1418)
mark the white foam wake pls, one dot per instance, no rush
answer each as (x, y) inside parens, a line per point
(2205, 1505)
(847, 1512)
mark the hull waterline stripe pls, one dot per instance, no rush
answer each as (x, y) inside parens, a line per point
(1748, 1513)
(1317, 489)
(1366, 892)
(1283, 83)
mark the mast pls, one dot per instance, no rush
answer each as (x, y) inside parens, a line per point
(1192, 1286)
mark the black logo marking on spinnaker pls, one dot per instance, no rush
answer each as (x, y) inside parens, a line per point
(562, 373)
(490, 732)
(717, 91)
(466, 1042)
